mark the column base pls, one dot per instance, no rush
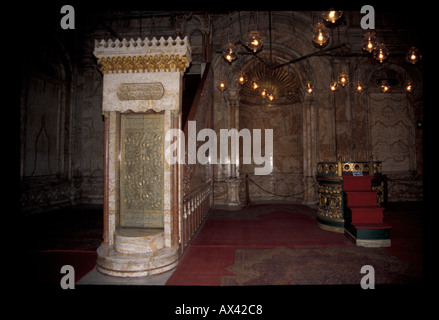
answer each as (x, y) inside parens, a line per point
(329, 225)
(234, 206)
(117, 264)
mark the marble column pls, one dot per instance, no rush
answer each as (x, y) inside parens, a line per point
(142, 92)
(309, 150)
(233, 182)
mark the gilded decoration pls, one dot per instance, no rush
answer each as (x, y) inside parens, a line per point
(334, 168)
(146, 63)
(327, 168)
(330, 192)
(330, 201)
(142, 170)
(143, 55)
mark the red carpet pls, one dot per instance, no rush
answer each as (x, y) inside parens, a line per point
(261, 226)
(233, 244)
(273, 229)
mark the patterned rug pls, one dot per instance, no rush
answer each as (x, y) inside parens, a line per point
(316, 266)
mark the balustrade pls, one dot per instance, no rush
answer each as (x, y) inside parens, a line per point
(195, 207)
(197, 198)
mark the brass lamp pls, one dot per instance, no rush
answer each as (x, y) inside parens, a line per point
(253, 40)
(332, 16)
(381, 52)
(230, 52)
(369, 41)
(320, 36)
(413, 55)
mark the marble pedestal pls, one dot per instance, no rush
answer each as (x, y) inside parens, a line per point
(119, 264)
(233, 200)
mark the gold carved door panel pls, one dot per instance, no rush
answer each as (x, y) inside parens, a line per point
(141, 170)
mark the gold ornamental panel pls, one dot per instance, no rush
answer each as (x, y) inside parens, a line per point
(141, 170)
(147, 63)
(327, 168)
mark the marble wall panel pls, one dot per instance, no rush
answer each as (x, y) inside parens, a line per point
(286, 122)
(392, 131)
(42, 127)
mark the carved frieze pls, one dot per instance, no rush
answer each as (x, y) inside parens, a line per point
(143, 55)
(146, 63)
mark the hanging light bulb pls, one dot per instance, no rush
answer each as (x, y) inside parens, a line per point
(253, 40)
(369, 41)
(270, 96)
(255, 84)
(380, 53)
(332, 16)
(264, 93)
(334, 85)
(408, 86)
(222, 85)
(385, 87)
(230, 52)
(309, 88)
(413, 55)
(343, 79)
(241, 77)
(359, 88)
(320, 36)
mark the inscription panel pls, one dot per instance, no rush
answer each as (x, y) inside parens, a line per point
(140, 91)
(141, 170)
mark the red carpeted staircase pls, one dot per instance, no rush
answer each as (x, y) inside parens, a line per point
(363, 217)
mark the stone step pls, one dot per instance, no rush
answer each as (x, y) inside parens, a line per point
(119, 264)
(138, 240)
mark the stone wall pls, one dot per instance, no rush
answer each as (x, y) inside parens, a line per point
(62, 129)
(326, 125)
